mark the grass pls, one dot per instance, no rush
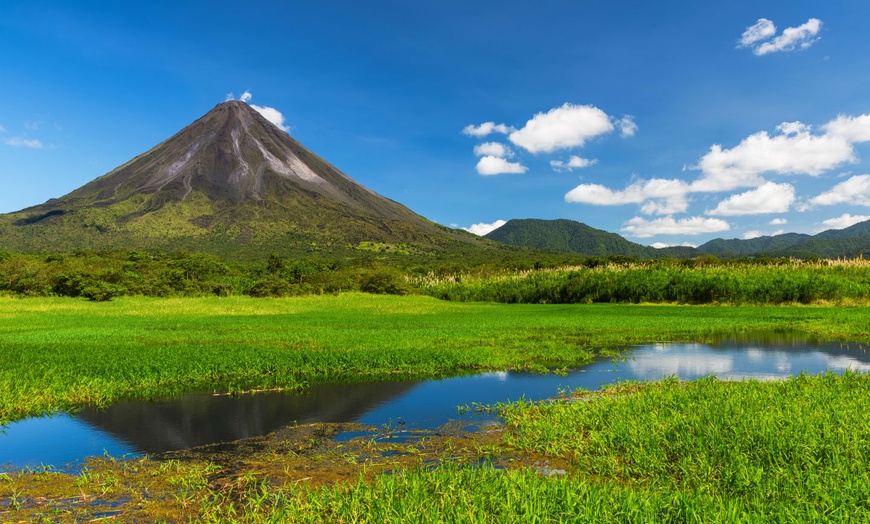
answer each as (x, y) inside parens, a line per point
(61, 353)
(704, 451)
(773, 282)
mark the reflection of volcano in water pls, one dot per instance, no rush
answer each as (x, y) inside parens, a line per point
(203, 418)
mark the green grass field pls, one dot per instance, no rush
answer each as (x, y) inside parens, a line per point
(705, 451)
(58, 353)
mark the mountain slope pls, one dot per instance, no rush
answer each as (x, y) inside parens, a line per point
(575, 237)
(232, 184)
(753, 246)
(850, 242)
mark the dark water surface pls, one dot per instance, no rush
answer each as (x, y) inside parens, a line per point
(134, 428)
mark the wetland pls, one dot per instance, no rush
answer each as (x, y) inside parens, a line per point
(366, 425)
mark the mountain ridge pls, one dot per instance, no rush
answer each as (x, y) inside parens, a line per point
(570, 236)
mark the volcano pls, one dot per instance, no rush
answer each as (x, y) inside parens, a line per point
(232, 184)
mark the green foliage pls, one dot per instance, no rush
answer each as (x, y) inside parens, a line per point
(383, 281)
(703, 280)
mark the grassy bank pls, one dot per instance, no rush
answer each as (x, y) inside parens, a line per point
(705, 451)
(58, 353)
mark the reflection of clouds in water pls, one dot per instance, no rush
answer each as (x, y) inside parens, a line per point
(670, 347)
(685, 364)
(501, 376)
(842, 363)
(690, 361)
(782, 361)
(756, 355)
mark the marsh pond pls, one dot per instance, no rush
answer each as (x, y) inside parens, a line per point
(214, 421)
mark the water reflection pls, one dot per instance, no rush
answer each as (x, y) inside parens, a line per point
(137, 427)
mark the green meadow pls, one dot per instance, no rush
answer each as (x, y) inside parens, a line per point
(703, 451)
(59, 353)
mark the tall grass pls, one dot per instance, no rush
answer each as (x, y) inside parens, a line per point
(663, 281)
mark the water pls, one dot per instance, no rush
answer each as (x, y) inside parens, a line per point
(134, 428)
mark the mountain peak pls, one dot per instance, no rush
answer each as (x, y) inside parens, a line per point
(230, 171)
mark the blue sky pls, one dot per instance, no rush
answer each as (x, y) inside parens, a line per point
(667, 122)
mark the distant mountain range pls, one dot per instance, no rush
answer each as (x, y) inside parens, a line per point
(570, 236)
(575, 237)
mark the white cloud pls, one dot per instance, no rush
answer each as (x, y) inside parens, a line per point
(761, 30)
(643, 228)
(483, 228)
(662, 245)
(627, 127)
(752, 234)
(854, 129)
(767, 198)
(272, 115)
(486, 128)
(667, 195)
(561, 128)
(855, 190)
(16, 141)
(778, 221)
(269, 113)
(493, 165)
(845, 220)
(792, 38)
(493, 149)
(574, 162)
(793, 151)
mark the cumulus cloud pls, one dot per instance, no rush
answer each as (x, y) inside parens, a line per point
(561, 128)
(792, 38)
(487, 128)
(483, 228)
(761, 30)
(30, 143)
(662, 245)
(642, 228)
(760, 37)
(493, 165)
(627, 127)
(854, 129)
(855, 190)
(667, 196)
(493, 149)
(845, 220)
(749, 235)
(767, 198)
(269, 113)
(793, 151)
(778, 222)
(574, 162)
